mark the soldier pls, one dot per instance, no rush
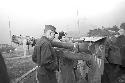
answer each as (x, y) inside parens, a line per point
(68, 66)
(121, 44)
(117, 46)
(4, 78)
(115, 57)
(44, 56)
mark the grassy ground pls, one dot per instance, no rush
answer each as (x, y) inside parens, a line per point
(20, 65)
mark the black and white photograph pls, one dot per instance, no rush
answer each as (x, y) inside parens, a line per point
(62, 41)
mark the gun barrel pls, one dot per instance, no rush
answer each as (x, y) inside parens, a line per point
(62, 45)
(82, 47)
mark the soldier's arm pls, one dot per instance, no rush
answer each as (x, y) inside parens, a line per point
(73, 55)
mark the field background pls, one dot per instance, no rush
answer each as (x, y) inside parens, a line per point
(18, 64)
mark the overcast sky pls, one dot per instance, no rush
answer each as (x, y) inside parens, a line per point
(28, 17)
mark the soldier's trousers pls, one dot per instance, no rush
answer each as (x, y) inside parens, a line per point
(48, 77)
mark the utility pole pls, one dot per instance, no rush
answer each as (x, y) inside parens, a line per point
(10, 32)
(78, 20)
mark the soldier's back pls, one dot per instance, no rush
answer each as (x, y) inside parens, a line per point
(121, 44)
(120, 41)
(117, 51)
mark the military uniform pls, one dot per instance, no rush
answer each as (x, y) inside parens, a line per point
(67, 70)
(115, 57)
(121, 44)
(4, 78)
(67, 59)
(43, 55)
(116, 51)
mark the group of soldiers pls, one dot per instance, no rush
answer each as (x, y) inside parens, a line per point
(63, 61)
(54, 62)
(60, 65)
